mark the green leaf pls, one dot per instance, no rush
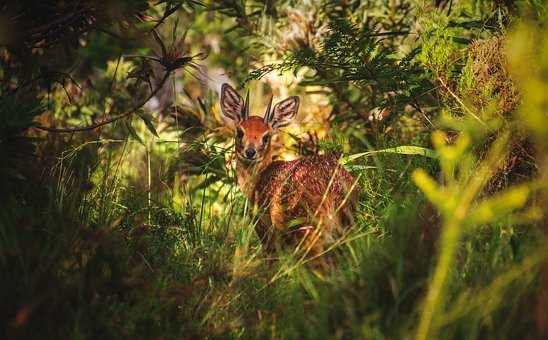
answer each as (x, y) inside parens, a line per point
(498, 206)
(431, 189)
(351, 167)
(147, 118)
(402, 150)
(132, 132)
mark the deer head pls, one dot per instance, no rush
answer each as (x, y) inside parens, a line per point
(254, 133)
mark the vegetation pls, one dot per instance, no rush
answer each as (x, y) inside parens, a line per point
(122, 218)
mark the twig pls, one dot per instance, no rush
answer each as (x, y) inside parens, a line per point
(460, 102)
(167, 13)
(380, 34)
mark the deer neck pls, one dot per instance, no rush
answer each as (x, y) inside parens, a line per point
(248, 173)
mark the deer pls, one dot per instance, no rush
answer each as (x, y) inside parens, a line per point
(306, 202)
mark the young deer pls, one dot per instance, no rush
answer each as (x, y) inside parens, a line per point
(305, 201)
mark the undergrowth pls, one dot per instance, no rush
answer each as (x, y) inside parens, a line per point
(136, 229)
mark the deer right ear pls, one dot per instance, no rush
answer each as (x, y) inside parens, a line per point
(283, 112)
(232, 104)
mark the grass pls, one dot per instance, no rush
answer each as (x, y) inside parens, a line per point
(109, 262)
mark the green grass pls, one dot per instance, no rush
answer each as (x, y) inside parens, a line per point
(110, 263)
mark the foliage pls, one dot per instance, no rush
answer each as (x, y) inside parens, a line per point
(122, 218)
(359, 55)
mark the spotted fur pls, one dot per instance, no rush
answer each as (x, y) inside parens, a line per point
(311, 192)
(308, 201)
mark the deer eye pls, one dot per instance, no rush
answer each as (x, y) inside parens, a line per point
(239, 133)
(266, 139)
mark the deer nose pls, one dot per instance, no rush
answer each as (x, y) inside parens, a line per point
(249, 153)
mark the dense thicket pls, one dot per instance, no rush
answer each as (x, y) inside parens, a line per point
(121, 216)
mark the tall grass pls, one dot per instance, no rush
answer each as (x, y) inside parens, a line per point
(108, 262)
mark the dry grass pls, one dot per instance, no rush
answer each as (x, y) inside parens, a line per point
(486, 80)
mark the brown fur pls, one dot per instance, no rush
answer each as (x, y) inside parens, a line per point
(308, 199)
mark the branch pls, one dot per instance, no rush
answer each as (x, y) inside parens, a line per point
(460, 101)
(167, 13)
(109, 120)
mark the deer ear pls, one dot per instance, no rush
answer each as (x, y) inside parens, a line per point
(284, 112)
(232, 103)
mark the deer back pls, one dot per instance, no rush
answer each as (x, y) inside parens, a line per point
(308, 191)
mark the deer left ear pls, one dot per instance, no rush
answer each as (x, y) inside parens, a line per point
(284, 112)
(232, 104)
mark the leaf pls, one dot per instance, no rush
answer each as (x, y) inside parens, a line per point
(147, 118)
(180, 62)
(195, 2)
(498, 206)
(132, 132)
(351, 167)
(202, 105)
(402, 150)
(461, 40)
(431, 189)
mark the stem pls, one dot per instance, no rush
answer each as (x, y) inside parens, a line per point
(460, 102)
(449, 242)
(452, 230)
